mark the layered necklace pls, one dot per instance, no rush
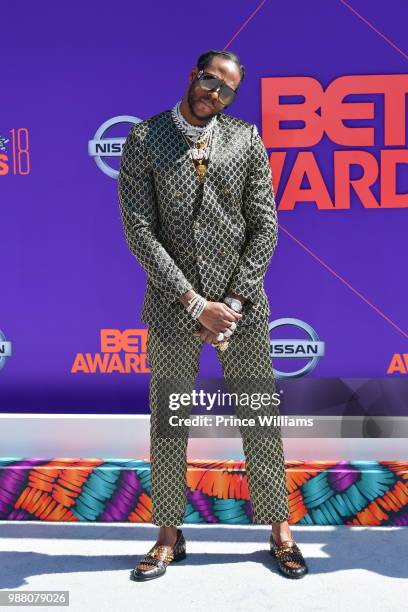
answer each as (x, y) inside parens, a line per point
(198, 138)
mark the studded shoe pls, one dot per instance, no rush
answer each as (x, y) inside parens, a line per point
(156, 560)
(290, 560)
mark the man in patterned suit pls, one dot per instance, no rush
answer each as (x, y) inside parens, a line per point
(197, 205)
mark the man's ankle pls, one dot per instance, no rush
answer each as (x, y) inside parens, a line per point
(281, 531)
(167, 534)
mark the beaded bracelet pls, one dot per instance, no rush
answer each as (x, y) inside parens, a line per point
(196, 305)
(198, 308)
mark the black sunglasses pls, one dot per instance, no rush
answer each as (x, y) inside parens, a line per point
(210, 82)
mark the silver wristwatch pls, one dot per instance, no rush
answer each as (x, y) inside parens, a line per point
(233, 303)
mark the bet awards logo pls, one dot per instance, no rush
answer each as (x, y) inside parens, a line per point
(366, 133)
(5, 349)
(120, 351)
(311, 349)
(103, 147)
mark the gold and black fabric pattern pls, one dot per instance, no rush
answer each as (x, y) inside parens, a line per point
(248, 357)
(214, 236)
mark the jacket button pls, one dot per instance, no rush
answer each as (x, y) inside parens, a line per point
(200, 258)
(196, 225)
(222, 253)
(226, 190)
(178, 194)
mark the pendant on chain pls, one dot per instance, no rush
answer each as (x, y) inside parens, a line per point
(201, 170)
(201, 167)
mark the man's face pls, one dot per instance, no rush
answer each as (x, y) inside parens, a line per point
(205, 104)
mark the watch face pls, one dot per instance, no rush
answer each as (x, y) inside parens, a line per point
(233, 303)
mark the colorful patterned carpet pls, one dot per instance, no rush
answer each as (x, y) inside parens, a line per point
(117, 490)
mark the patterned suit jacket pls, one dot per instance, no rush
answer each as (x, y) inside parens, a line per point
(214, 236)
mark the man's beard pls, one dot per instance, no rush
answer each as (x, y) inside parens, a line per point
(191, 100)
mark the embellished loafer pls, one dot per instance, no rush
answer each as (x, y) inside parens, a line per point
(156, 560)
(290, 560)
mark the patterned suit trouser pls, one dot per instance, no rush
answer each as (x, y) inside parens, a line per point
(177, 357)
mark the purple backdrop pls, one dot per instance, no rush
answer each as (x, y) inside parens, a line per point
(67, 272)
